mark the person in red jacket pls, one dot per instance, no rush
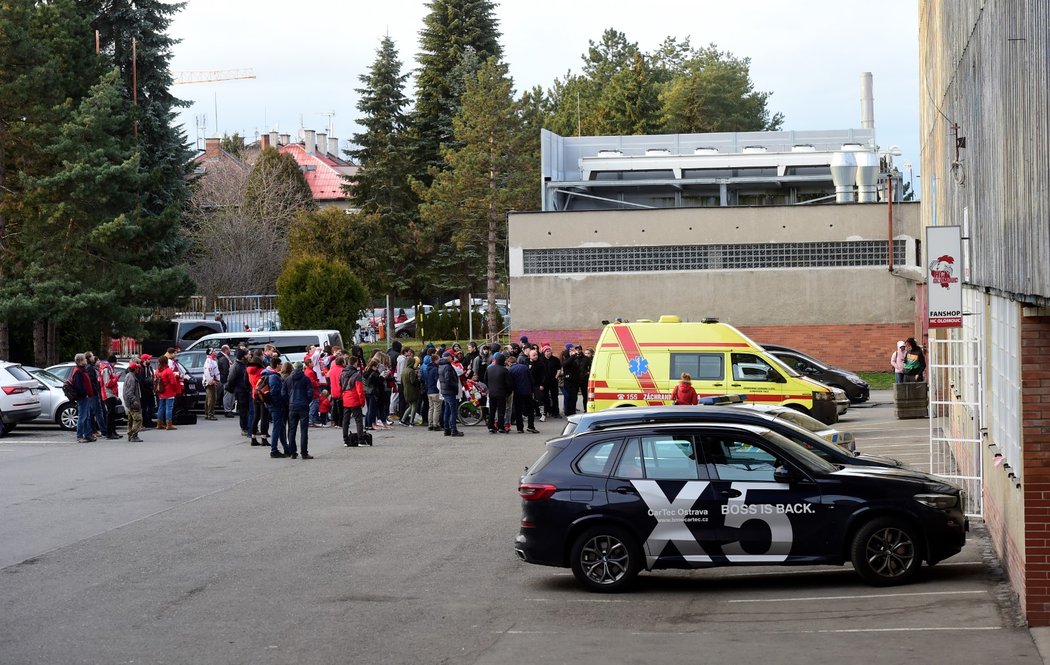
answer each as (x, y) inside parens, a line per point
(335, 371)
(166, 384)
(353, 397)
(324, 407)
(683, 393)
(310, 372)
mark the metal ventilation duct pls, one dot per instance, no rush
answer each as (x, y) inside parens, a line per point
(867, 176)
(843, 174)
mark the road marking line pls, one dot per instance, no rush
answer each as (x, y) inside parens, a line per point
(576, 600)
(900, 630)
(857, 597)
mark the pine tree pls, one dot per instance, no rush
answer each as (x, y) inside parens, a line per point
(165, 152)
(495, 171)
(381, 186)
(45, 60)
(85, 217)
(629, 104)
(449, 29)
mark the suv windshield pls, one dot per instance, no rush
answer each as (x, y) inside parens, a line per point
(808, 459)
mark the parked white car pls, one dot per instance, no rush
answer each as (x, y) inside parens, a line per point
(19, 400)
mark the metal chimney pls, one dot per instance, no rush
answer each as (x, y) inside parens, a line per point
(333, 147)
(843, 174)
(867, 176)
(309, 141)
(867, 102)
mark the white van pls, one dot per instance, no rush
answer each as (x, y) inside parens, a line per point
(291, 343)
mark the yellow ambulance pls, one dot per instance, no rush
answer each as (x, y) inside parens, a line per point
(639, 363)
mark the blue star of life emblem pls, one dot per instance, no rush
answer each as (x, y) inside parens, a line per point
(639, 366)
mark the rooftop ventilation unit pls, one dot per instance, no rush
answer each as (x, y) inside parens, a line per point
(754, 149)
(610, 153)
(843, 174)
(803, 147)
(656, 152)
(706, 151)
(867, 176)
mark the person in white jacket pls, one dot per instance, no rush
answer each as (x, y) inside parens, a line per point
(897, 362)
(211, 385)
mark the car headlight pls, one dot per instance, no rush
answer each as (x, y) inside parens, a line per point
(856, 379)
(821, 395)
(938, 501)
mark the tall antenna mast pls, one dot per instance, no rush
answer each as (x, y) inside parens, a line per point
(331, 126)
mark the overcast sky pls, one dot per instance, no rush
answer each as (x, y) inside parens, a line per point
(307, 55)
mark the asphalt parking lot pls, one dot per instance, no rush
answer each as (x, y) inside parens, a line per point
(195, 548)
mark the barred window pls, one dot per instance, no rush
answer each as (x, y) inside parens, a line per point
(853, 253)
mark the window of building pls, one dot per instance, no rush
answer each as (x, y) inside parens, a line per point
(590, 260)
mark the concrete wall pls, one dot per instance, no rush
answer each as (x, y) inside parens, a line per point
(871, 299)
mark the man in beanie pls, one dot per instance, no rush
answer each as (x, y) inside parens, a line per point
(300, 393)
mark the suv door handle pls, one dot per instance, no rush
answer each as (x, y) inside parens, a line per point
(730, 493)
(625, 489)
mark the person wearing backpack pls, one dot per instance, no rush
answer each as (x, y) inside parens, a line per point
(271, 393)
(352, 394)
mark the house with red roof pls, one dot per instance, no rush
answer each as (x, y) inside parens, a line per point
(318, 158)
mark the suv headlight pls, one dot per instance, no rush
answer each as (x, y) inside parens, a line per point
(937, 501)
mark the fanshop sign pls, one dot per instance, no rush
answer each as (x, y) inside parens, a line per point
(944, 268)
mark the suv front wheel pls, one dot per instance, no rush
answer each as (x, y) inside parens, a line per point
(885, 552)
(605, 559)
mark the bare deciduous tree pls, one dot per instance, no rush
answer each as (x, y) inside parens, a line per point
(239, 222)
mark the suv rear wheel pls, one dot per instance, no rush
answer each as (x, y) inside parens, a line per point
(605, 559)
(885, 552)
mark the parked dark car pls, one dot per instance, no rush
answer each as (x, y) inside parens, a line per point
(856, 388)
(758, 415)
(178, 334)
(609, 502)
(192, 393)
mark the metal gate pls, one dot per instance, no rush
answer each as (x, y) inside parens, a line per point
(954, 376)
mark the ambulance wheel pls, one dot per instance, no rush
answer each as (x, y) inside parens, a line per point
(886, 552)
(605, 559)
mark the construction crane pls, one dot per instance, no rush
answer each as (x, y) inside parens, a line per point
(212, 75)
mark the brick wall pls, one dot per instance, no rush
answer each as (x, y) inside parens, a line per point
(863, 347)
(1035, 436)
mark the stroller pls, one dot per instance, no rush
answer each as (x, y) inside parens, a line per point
(473, 407)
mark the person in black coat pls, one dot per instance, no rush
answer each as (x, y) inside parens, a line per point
(521, 378)
(237, 383)
(551, 372)
(500, 387)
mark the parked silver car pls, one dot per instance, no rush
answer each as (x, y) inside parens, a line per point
(19, 396)
(55, 407)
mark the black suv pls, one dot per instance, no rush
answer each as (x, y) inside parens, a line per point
(612, 501)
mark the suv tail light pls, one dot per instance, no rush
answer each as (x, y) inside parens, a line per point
(534, 492)
(15, 390)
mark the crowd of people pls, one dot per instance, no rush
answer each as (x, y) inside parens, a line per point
(277, 402)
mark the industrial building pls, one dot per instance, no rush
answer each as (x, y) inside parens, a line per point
(796, 237)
